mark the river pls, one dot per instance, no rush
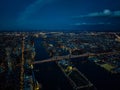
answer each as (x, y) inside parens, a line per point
(51, 77)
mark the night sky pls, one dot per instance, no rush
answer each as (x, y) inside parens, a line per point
(60, 15)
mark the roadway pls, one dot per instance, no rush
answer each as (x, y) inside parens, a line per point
(22, 67)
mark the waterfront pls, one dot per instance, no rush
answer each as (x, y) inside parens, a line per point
(48, 74)
(51, 78)
(101, 78)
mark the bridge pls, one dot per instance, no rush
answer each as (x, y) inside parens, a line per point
(58, 58)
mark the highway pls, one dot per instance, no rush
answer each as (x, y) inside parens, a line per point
(57, 58)
(22, 67)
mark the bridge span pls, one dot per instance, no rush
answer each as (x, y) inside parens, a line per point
(57, 58)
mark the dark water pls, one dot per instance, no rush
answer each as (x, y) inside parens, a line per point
(40, 50)
(51, 77)
(102, 79)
